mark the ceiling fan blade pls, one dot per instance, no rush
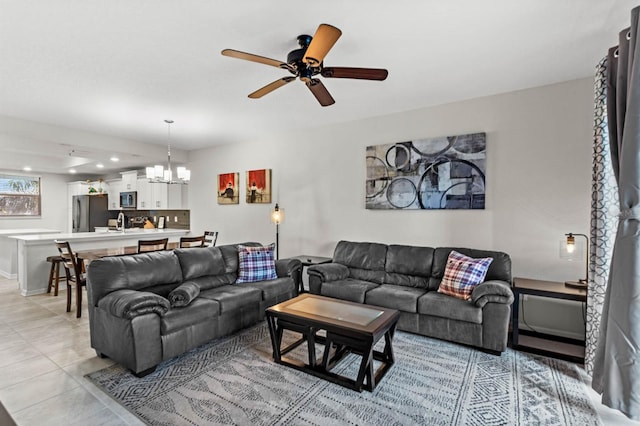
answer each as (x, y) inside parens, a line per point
(271, 87)
(320, 92)
(359, 73)
(255, 58)
(323, 40)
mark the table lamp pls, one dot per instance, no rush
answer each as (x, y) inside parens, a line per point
(568, 253)
(277, 216)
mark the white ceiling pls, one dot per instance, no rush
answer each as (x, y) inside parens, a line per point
(99, 77)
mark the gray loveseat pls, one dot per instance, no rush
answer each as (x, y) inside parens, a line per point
(132, 322)
(406, 278)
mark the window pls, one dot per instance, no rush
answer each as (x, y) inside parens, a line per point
(19, 195)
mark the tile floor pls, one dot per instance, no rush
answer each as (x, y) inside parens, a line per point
(45, 353)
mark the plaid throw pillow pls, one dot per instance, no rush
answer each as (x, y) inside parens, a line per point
(462, 274)
(256, 264)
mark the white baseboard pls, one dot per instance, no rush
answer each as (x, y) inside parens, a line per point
(6, 274)
(33, 292)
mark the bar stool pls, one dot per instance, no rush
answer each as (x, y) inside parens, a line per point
(55, 271)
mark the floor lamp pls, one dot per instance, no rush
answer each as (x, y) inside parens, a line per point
(277, 216)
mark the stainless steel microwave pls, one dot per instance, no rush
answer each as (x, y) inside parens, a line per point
(128, 200)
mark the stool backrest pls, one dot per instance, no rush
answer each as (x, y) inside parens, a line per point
(210, 238)
(187, 242)
(152, 245)
(71, 264)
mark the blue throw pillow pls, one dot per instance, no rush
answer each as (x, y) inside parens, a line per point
(256, 264)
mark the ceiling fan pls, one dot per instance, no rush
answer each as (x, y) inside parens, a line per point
(307, 62)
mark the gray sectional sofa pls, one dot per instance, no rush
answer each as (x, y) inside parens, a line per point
(133, 323)
(407, 278)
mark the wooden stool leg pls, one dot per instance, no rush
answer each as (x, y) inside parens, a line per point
(68, 296)
(51, 271)
(55, 291)
(78, 300)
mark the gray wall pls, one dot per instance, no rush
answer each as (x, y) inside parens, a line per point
(538, 186)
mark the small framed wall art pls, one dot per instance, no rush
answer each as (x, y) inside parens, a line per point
(259, 186)
(228, 191)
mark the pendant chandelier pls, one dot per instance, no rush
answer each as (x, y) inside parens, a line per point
(158, 174)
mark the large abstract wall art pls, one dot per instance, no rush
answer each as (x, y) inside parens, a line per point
(429, 174)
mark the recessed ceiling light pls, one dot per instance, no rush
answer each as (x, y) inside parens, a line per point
(115, 159)
(26, 168)
(72, 171)
(99, 165)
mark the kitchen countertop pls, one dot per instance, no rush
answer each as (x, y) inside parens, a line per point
(7, 232)
(95, 236)
(33, 250)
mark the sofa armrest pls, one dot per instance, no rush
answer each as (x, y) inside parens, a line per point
(129, 304)
(288, 268)
(329, 271)
(495, 291)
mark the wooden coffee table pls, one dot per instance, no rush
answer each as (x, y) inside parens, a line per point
(350, 328)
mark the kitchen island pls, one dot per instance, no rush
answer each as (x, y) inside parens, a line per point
(33, 249)
(9, 249)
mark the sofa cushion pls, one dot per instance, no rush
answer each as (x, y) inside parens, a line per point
(462, 274)
(212, 281)
(184, 294)
(365, 260)
(409, 264)
(349, 289)
(137, 272)
(395, 297)
(232, 297)
(370, 256)
(200, 261)
(443, 306)
(273, 288)
(199, 310)
(256, 264)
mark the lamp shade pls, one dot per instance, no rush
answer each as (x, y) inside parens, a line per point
(277, 215)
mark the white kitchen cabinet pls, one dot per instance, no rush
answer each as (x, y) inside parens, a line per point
(129, 181)
(145, 195)
(113, 193)
(164, 196)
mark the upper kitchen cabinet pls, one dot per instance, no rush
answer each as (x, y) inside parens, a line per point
(160, 196)
(129, 181)
(113, 193)
(173, 196)
(145, 201)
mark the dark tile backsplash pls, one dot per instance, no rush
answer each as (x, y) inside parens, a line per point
(176, 219)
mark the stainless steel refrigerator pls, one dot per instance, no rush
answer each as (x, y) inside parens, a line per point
(88, 212)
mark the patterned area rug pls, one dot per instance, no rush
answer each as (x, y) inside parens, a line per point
(234, 381)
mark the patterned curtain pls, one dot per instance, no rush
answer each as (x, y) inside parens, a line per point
(604, 216)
